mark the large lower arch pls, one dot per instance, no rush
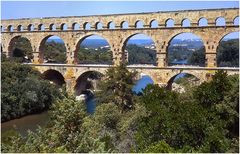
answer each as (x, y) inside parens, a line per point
(87, 81)
(186, 49)
(228, 50)
(54, 77)
(93, 49)
(139, 48)
(191, 79)
(20, 47)
(52, 49)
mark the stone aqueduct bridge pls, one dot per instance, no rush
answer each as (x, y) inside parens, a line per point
(211, 35)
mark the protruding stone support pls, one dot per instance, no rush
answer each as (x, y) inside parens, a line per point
(70, 49)
(70, 80)
(70, 58)
(161, 51)
(161, 59)
(211, 60)
(36, 59)
(118, 55)
(118, 59)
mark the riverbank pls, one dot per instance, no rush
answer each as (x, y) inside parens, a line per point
(23, 124)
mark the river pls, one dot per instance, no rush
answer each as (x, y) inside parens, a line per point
(31, 122)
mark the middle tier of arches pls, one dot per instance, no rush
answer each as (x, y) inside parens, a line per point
(117, 43)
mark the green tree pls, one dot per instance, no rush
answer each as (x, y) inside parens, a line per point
(117, 87)
(21, 47)
(210, 93)
(92, 56)
(179, 121)
(140, 55)
(197, 57)
(55, 52)
(228, 53)
(23, 91)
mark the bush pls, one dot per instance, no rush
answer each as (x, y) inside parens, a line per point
(23, 91)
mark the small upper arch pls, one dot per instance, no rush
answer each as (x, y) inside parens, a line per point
(87, 26)
(202, 22)
(169, 22)
(75, 26)
(154, 23)
(98, 25)
(30, 27)
(124, 25)
(64, 26)
(19, 28)
(220, 21)
(2, 28)
(236, 21)
(111, 25)
(186, 22)
(139, 24)
(52, 27)
(10, 28)
(41, 27)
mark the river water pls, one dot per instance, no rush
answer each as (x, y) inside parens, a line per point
(31, 122)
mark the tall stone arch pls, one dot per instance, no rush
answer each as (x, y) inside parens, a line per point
(10, 42)
(173, 34)
(82, 37)
(125, 38)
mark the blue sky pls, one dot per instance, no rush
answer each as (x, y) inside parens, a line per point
(32, 9)
(26, 9)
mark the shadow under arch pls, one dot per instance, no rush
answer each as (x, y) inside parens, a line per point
(87, 81)
(54, 76)
(199, 51)
(20, 46)
(42, 47)
(79, 43)
(195, 79)
(126, 54)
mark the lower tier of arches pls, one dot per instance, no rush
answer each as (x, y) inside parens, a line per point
(77, 79)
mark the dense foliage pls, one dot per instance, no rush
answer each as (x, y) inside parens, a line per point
(140, 55)
(204, 119)
(21, 48)
(55, 52)
(92, 56)
(23, 91)
(117, 87)
(228, 53)
(197, 57)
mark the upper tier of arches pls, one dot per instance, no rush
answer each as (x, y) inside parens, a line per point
(133, 22)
